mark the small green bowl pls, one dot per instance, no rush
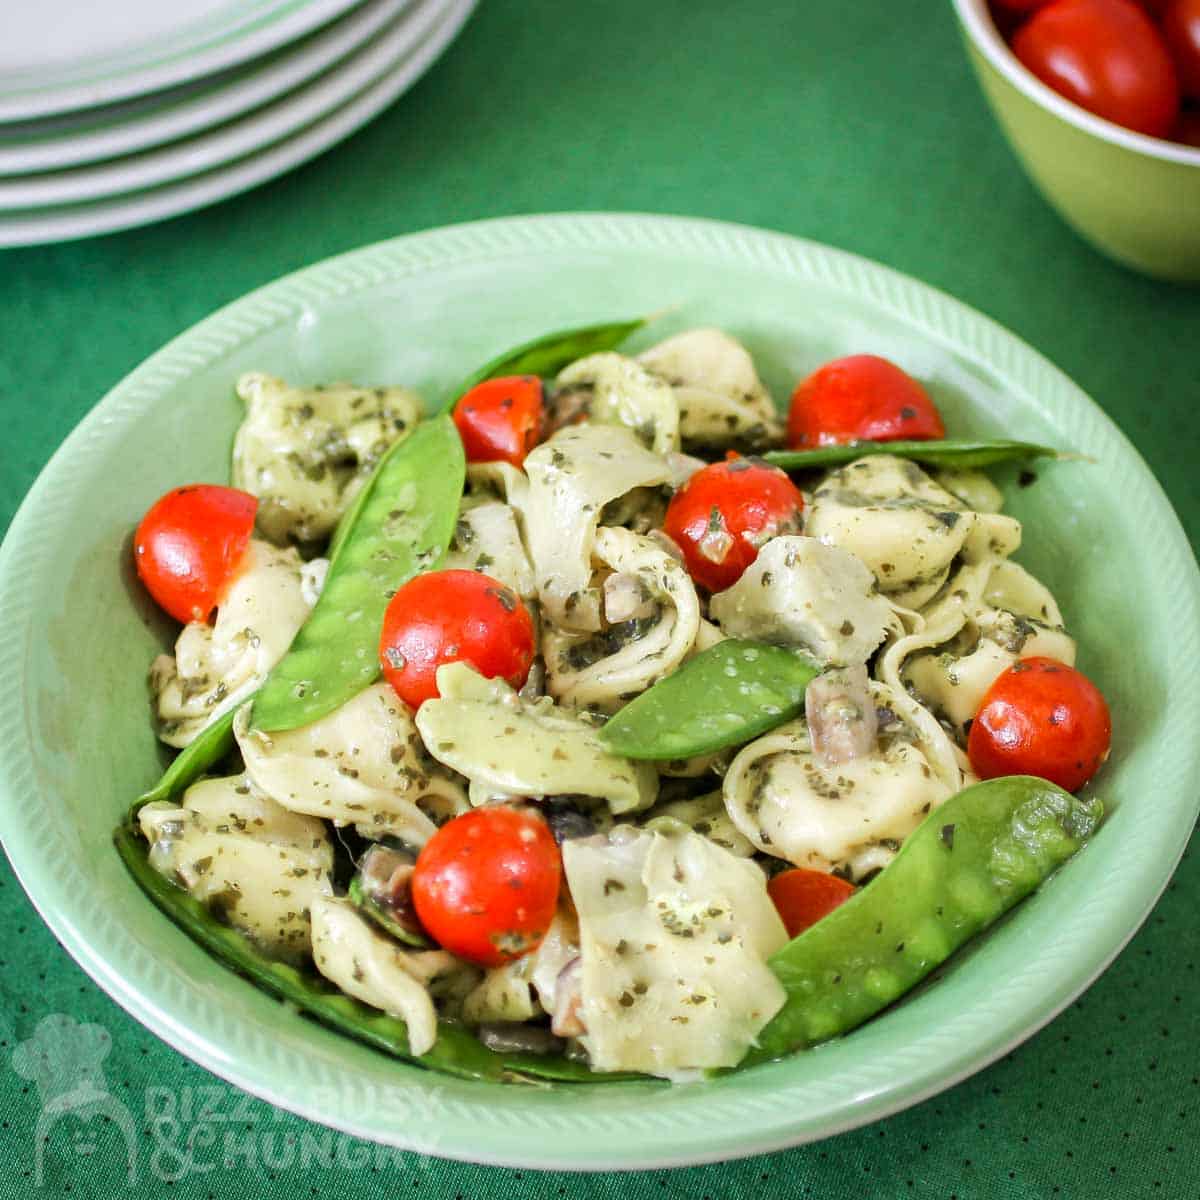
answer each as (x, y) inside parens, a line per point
(76, 635)
(1135, 198)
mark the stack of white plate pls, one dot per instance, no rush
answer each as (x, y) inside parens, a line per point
(121, 113)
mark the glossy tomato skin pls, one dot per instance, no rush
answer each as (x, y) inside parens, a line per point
(485, 886)
(725, 512)
(1181, 28)
(802, 897)
(191, 545)
(453, 616)
(1108, 57)
(500, 420)
(860, 398)
(1044, 718)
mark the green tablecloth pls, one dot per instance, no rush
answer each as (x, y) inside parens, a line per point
(854, 124)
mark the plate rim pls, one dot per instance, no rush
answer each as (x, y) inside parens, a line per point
(977, 337)
(132, 210)
(67, 91)
(207, 103)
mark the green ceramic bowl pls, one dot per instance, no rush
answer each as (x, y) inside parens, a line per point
(76, 634)
(1136, 198)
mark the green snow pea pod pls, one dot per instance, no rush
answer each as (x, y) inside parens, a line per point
(725, 696)
(207, 749)
(402, 527)
(457, 1051)
(967, 863)
(548, 354)
(960, 453)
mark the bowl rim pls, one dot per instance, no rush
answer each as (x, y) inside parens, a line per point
(975, 19)
(695, 1133)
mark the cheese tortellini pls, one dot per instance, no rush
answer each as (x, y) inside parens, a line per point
(352, 953)
(675, 935)
(1016, 618)
(613, 390)
(363, 765)
(850, 815)
(572, 476)
(215, 667)
(653, 617)
(802, 593)
(888, 513)
(508, 747)
(305, 452)
(721, 400)
(249, 859)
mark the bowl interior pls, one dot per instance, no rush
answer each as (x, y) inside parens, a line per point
(77, 635)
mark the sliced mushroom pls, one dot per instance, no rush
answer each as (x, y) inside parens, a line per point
(383, 891)
(567, 1019)
(842, 721)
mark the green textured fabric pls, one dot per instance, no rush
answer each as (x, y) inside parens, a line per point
(857, 125)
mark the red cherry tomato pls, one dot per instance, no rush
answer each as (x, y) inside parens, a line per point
(1181, 28)
(191, 546)
(861, 398)
(1108, 57)
(725, 512)
(485, 886)
(501, 419)
(803, 897)
(1042, 718)
(1187, 129)
(1007, 15)
(453, 616)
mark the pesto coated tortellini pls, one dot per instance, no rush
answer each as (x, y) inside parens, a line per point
(215, 667)
(722, 402)
(305, 452)
(258, 865)
(675, 935)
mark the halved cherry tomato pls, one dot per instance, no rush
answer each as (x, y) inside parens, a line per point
(1181, 28)
(500, 420)
(485, 886)
(1042, 718)
(725, 512)
(453, 616)
(860, 398)
(191, 546)
(803, 896)
(1108, 57)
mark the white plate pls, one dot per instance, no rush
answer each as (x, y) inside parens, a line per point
(54, 143)
(141, 208)
(235, 140)
(59, 55)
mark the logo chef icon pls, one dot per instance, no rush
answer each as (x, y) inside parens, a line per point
(63, 1059)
